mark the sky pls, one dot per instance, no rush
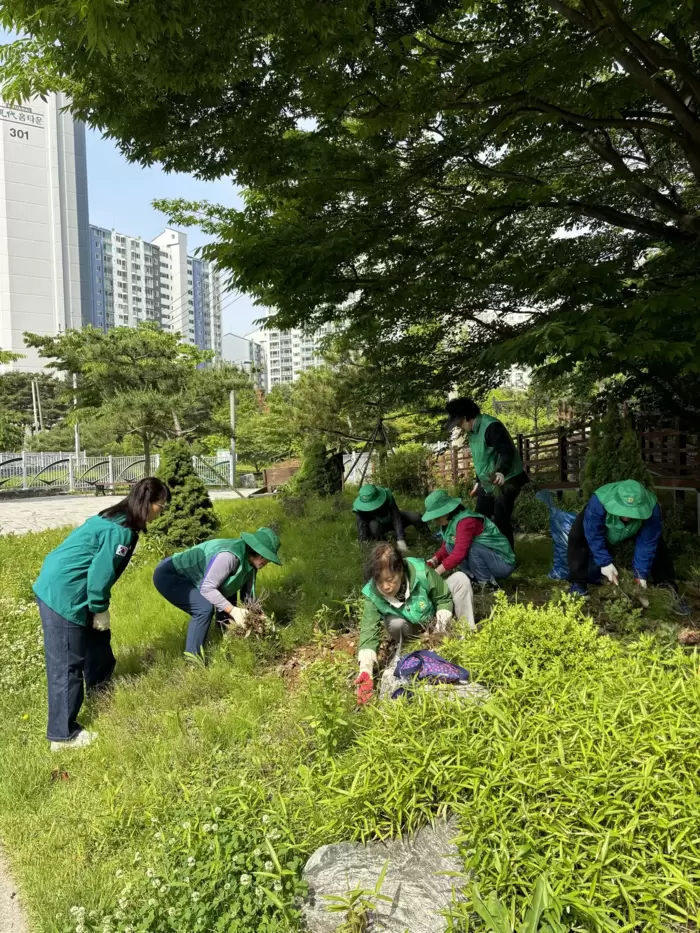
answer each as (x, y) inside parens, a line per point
(121, 196)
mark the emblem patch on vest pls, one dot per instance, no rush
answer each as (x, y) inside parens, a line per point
(122, 550)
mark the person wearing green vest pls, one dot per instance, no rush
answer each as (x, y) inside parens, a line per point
(499, 470)
(377, 513)
(619, 512)
(471, 542)
(73, 592)
(404, 595)
(209, 576)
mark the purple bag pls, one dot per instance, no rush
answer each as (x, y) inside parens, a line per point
(429, 667)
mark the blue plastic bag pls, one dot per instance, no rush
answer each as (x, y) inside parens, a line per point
(560, 523)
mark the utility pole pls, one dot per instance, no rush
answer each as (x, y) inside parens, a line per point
(36, 420)
(77, 427)
(38, 404)
(232, 408)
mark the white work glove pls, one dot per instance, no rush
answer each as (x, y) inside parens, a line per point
(368, 661)
(610, 573)
(443, 617)
(475, 490)
(100, 621)
(238, 616)
(402, 546)
(498, 479)
(640, 582)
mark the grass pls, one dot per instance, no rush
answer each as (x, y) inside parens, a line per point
(210, 786)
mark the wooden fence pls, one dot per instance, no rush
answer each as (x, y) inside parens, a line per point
(555, 459)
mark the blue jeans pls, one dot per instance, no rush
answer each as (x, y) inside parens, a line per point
(77, 656)
(482, 564)
(182, 593)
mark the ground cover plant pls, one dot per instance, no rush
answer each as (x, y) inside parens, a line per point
(210, 785)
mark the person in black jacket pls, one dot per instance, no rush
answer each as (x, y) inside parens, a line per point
(376, 514)
(499, 470)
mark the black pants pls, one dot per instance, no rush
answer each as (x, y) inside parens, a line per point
(499, 508)
(579, 553)
(77, 656)
(374, 530)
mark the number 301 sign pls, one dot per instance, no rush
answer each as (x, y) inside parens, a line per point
(19, 134)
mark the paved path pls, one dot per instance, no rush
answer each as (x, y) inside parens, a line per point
(21, 515)
(12, 918)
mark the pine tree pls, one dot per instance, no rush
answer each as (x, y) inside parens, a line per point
(613, 455)
(319, 474)
(190, 517)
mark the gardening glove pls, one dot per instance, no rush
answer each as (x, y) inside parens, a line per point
(239, 616)
(100, 621)
(367, 659)
(640, 582)
(443, 617)
(365, 688)
(498, 479)
(475, 490)
(402, 546)
(610, 573)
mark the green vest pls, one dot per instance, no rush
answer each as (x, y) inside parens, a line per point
(490, 537)
(418, 607)
(485, 458)
(193, 563)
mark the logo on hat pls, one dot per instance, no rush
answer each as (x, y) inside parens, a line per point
(367, 497)
(630, 500)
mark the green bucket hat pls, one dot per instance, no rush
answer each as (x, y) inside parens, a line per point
(264, 542)
(438, 503)
(369, 498)
(627, 499)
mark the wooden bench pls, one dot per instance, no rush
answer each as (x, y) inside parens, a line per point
(101, 486)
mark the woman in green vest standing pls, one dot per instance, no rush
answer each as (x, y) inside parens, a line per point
(404, 595)
(499, 470)
(73, 592)
(471, 542)
(620, 512)
(209, 576)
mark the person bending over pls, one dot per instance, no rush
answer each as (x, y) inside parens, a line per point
(210, 576)
(377, 514)
(620, 512)
(471, 542)
(404, 595)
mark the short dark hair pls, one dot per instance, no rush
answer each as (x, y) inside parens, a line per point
(137, 504)
(385, 557)
(463, 408)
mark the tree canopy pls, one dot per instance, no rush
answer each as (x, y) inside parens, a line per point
(483, 183)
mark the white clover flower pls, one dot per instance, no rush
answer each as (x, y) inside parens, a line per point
(186, 824)
(118, 873)
(257, 852)
(275, 835)
(172, 840)
(191, 860)
(277, 886)
(206, 828)
(153, 820)
(149, 873)
(245, 880)
(217, 811)
(151, 902)
(227, 886)
(195, 896)
(158, 836)
(266, 818)
(215, 827)
(156, 882)
(269, 866)
(187, 879)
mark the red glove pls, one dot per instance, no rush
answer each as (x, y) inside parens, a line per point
(365, 688)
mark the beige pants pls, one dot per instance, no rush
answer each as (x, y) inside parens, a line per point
(463, 597)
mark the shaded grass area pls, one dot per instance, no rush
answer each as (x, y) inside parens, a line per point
(581, 741)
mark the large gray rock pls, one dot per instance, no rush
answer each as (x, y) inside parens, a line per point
(415, 880)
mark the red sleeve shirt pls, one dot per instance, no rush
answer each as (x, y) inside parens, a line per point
(467, 530)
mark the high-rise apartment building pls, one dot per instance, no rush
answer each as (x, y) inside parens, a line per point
(134, 281)
(247, 355)
(44, 225)
(289, 353)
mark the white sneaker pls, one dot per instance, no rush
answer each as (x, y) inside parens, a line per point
(81, 740)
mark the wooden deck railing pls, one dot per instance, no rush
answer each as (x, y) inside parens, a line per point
(555, 458)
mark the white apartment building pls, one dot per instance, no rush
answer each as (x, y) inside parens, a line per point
(44, 225)
(134, 280)
(247, 355)
(289, 353)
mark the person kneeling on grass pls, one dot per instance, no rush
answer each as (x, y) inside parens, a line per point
(210, 575)
(619, 512)
(377, 514)
(73, 592)
(404, 595)
(471, 542)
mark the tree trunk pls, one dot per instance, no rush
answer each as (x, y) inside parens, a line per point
(178, 426)
(146, 453)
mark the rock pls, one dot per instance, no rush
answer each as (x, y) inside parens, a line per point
(468, 692)
(413, 881)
